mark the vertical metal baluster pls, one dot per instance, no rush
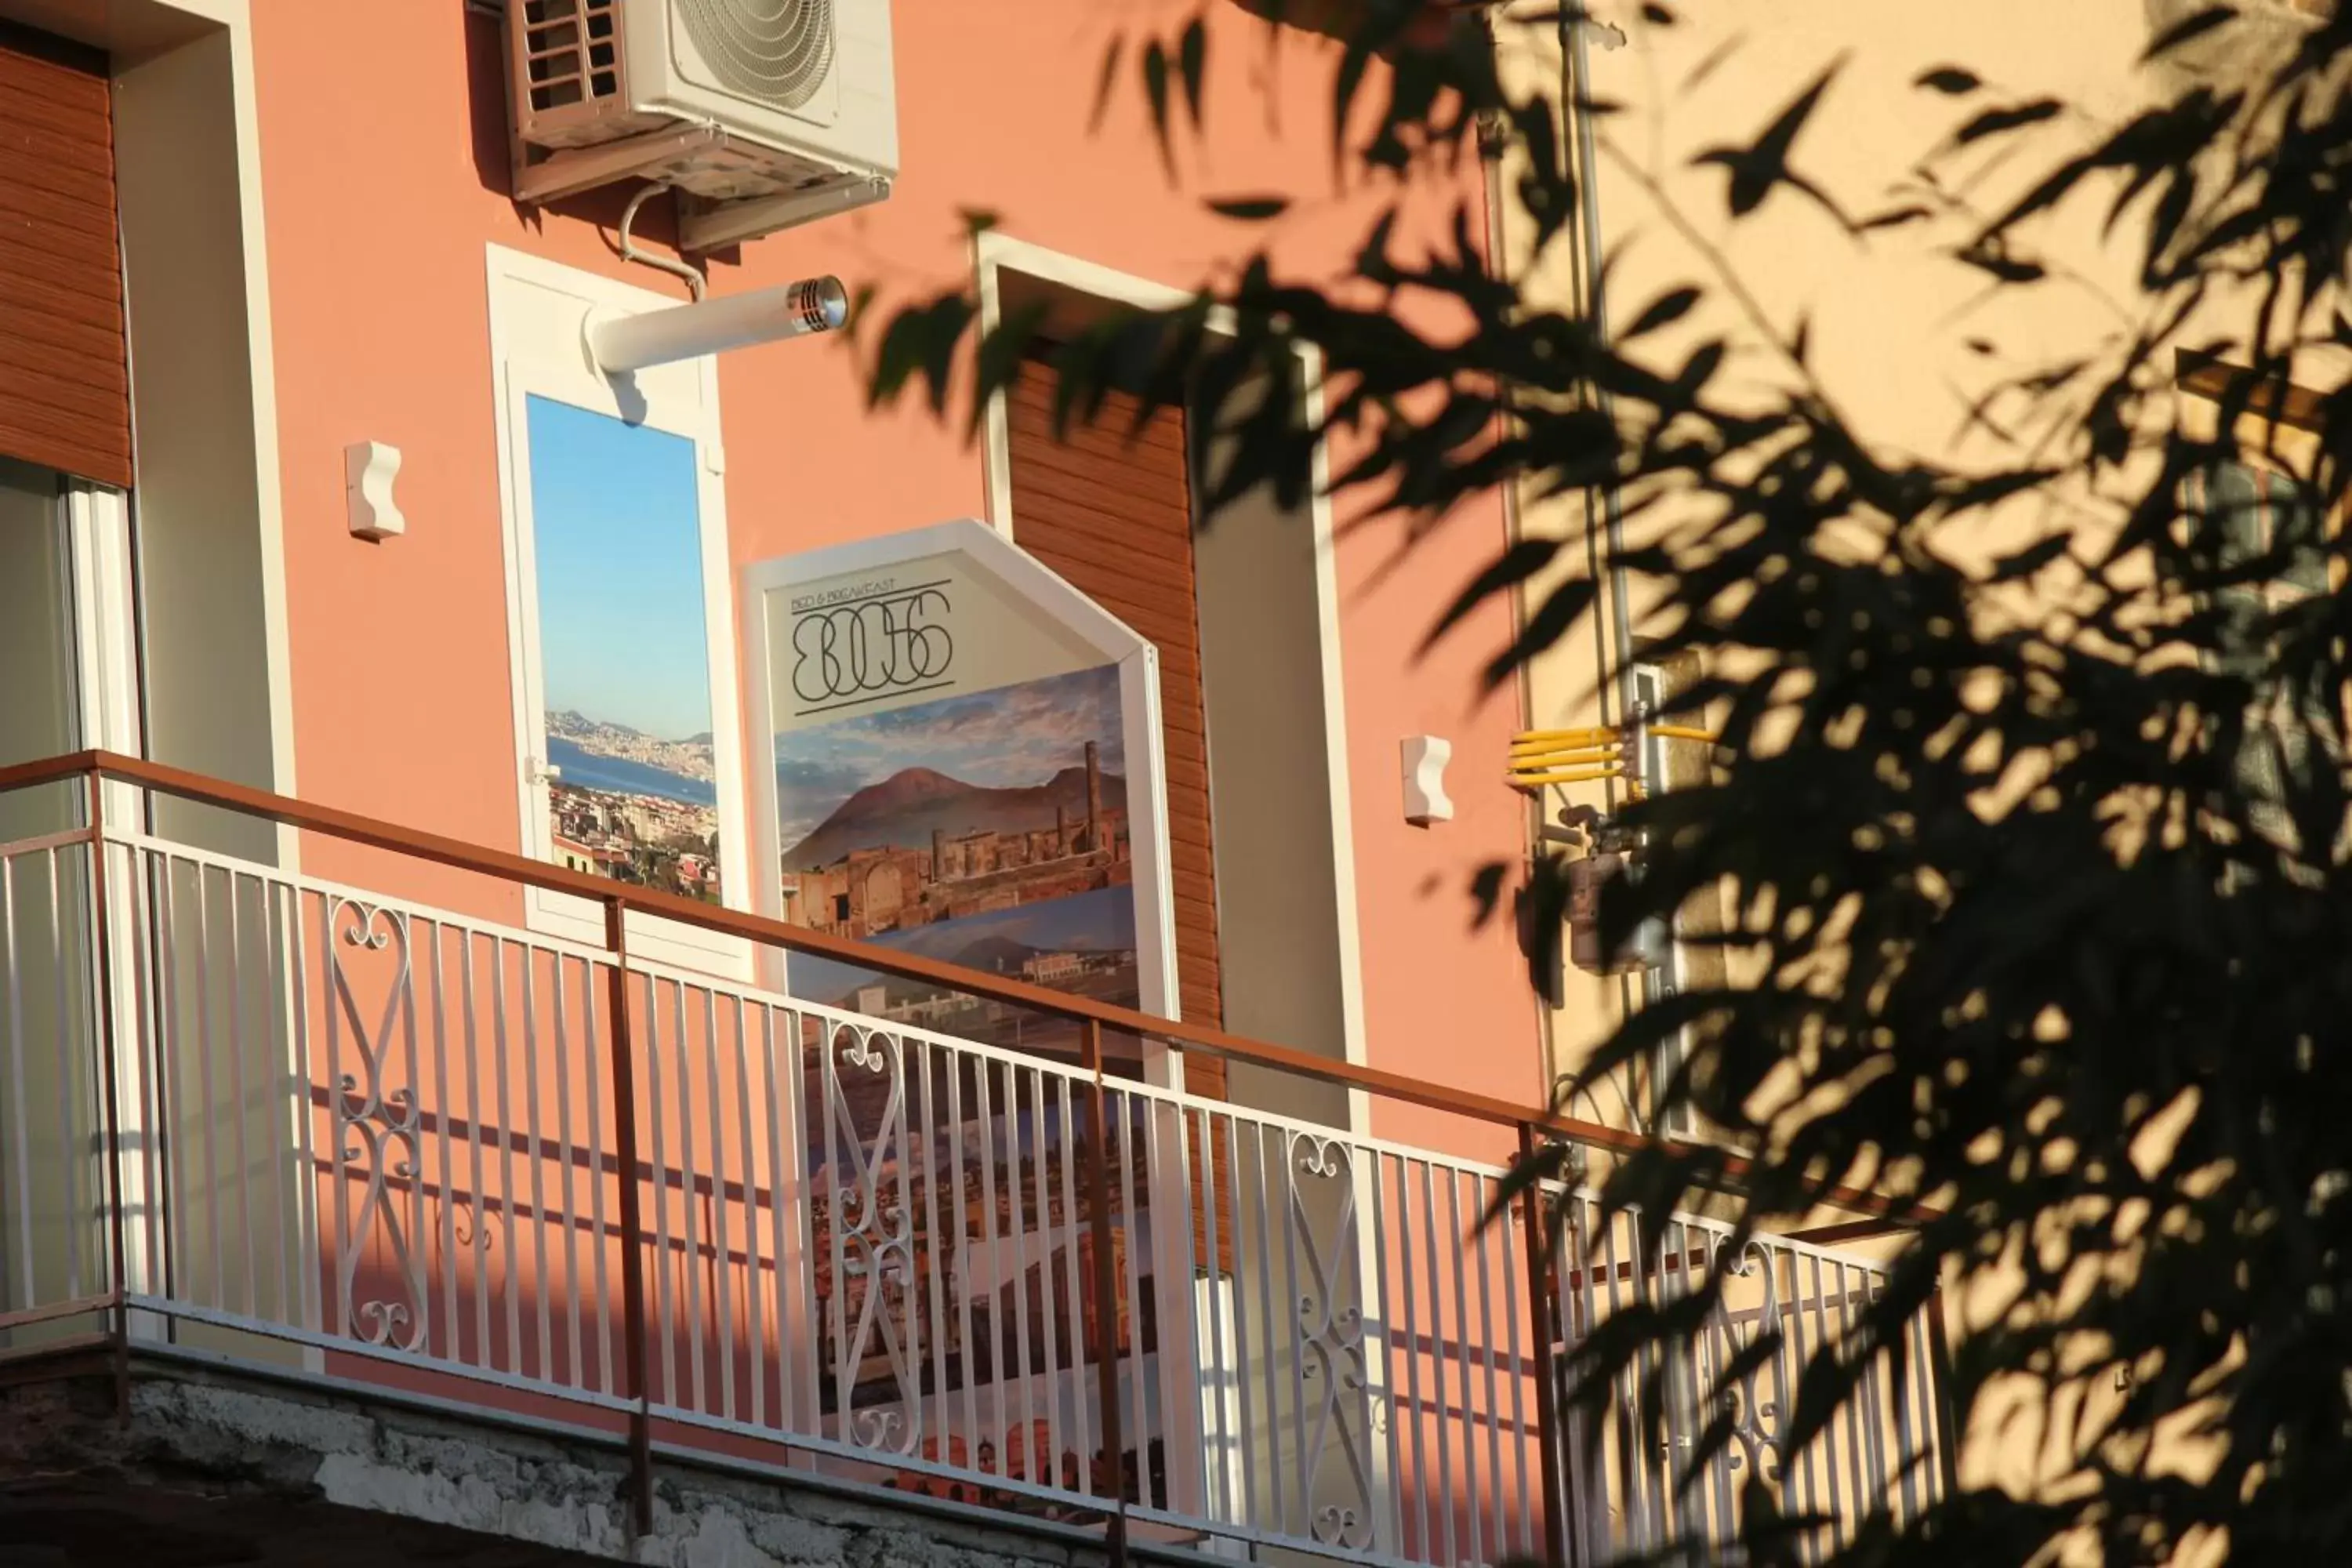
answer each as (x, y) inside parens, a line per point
(1594, 1471)
(661, 1184)
(600, 1237)
(754, 1324)
(1106, 1288)
(912, 1348)
(1041, 1186)
(1412, 1362)
(1527, 1542)
(1465, 1358)
(309, 1263)
(442, 1106)
(26, 1293)
(71, 1213)
(923, 1055)
(1634, 1459)
(330, 975)
(689, 1227)
(722, 1272)
(172, 1073)
(960, 1218)
(1829, 1346)
(1939, 1372)
(1381, 1323)
(236, 1090)
(1494, 1414)
(787, 1190)
(1105, 1311)
(145, 1034)
(1922, 1406)
(1230, 1381)
(479, 1272)
(1898, 1396)
(1022, 1198)
(1883, 1482)
(1869, 1471)
(534, 1143)
(1293, 1205)
(98, 955)
(1214, 1502)
(567, 1154)
(1799, 1483)
(501, 1069)
(1139, 1433)
(1718, 1336)
(1438, 1253)
(836, 1306)
(219, 1296)
(1693, 1365)
(632, 1256)
(981, 1067)
(1270, 1328)
(419, 1292)
(1238, 1307)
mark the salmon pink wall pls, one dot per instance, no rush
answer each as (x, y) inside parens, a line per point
(384, 178)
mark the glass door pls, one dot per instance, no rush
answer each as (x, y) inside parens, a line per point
(63, 651)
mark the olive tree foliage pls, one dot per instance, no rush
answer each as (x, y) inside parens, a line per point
(2044, 926)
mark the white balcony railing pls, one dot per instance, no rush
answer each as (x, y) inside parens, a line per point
(334, 1132)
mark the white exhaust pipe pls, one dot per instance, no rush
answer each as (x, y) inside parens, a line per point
(621, 344)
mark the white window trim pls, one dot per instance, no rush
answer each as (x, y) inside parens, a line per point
(684, 401)
(994, 252)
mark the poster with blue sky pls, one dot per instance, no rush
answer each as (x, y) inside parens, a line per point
(623, 649)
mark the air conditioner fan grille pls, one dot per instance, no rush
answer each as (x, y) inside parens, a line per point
(776, 52)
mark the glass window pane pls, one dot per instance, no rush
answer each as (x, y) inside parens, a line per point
(624, 651)
(37, 700)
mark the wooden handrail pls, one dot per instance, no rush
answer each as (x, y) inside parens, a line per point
(509, 867)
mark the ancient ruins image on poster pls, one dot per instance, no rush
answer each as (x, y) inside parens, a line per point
(988, 829)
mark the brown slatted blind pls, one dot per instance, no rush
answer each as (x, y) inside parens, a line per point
(65, 393)
(1112, 513)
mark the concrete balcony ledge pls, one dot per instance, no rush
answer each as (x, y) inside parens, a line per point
(217, 1467)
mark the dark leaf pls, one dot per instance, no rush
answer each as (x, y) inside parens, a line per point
(1250, 209)
(1193, 62)
(1949, 79)
(1756, 169)
(1553, 620)
(1669, 307)
(1999, 121)
(1112, 55)
(2188, 29)
(1522, 561)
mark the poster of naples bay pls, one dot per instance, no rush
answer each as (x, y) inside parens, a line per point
(987, 829)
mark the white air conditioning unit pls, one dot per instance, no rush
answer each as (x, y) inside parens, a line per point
(761, 114)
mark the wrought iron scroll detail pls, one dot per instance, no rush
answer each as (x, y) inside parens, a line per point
(873, 1238)
(1334, 1384)
(377, 1131)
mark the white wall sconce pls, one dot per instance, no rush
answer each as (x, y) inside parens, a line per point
(369, 470)
(1425, 800)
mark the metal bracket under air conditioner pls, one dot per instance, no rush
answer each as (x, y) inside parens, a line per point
(571, 170)
(707, 225)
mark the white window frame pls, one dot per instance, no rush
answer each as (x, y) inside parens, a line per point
(538, 309)
(1213, 1483)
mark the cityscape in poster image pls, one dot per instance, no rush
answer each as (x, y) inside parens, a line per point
(625, 657)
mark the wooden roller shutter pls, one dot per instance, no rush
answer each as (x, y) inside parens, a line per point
(1112, 513)
(65, 393)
